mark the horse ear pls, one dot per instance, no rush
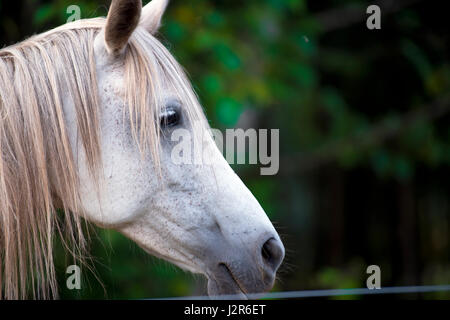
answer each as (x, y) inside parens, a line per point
(123, 18)
(152, 14)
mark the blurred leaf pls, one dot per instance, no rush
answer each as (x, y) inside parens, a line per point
(226, 55)
(417, 57)
(228, 111)
(43, 14)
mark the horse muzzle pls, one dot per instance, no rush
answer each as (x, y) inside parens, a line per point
(240, 271)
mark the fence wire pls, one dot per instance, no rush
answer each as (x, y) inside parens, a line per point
(322, 293)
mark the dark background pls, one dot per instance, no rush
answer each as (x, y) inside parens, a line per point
(364, 135)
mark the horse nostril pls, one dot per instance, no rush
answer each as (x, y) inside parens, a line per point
(265, 252)
(272, 252)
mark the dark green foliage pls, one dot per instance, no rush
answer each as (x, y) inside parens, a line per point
(364, 128)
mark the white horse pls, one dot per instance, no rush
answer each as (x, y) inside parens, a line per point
(86, 112)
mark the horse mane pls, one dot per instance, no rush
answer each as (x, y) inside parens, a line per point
(38, 172)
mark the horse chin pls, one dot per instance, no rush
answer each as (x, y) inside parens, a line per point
(223, 285)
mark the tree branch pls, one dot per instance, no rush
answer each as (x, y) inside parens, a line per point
(378, 134)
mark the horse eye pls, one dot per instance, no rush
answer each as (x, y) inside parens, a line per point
(170, 117)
